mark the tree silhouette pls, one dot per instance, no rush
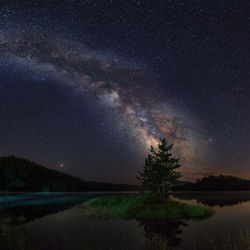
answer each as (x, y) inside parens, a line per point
(158, 175)
(215, 183)
(21, 175)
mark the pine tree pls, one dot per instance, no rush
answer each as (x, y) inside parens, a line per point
(158, 175)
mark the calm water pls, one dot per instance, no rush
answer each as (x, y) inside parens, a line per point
(52, 222)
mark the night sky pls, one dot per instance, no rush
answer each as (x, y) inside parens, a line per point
(87, 86)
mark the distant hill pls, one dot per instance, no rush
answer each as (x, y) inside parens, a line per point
(21, 175)
(215, 183)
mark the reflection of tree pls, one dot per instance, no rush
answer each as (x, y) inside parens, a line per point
(222, 202)
(215, 199)
(162, 234)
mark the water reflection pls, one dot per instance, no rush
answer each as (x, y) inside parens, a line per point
(34, 205)
(33, 212)
(162, 234)
(220, 199)
(227, 229)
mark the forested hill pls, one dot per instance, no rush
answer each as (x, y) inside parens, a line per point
(215, 183)
(21, 175)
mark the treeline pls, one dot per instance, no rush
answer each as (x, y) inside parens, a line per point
(21, 175)
(215, 183)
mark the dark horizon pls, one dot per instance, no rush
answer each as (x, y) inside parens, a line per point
(217, 182)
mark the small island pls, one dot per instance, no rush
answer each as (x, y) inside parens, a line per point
(144, 207)
(158, 178)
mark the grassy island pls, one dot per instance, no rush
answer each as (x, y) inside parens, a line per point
(145, 207)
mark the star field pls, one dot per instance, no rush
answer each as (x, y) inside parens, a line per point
(90, 85)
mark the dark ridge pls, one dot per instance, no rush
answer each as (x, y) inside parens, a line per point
(21, 175)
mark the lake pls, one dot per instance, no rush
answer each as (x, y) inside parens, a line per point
(54, 221)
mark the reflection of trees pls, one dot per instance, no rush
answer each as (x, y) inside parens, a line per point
(222, 202)
(34, 212)
(212, 199)
(162, 234)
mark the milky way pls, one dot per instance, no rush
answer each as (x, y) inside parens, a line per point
(91, 85)
(112, 82)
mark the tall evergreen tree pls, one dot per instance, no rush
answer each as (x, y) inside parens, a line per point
(158, 175)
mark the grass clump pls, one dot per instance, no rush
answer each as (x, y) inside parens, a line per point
(145, 207)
